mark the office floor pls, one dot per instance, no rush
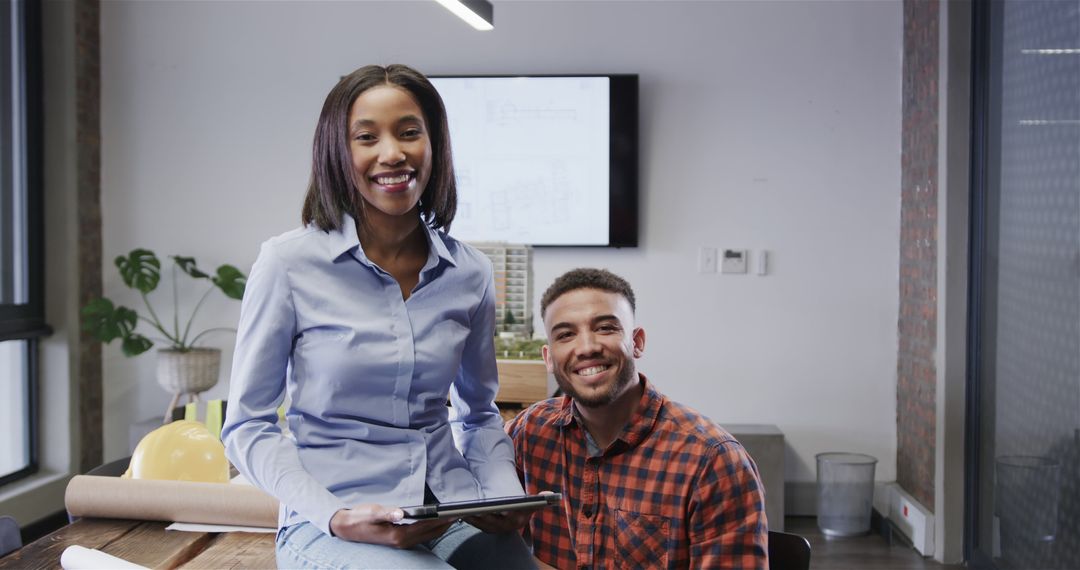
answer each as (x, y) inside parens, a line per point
(870, 552)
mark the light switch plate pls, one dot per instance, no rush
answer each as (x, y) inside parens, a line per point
(733, 261)
(706, 259)
(761, 259)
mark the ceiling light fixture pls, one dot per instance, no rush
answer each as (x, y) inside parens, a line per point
(477, 13)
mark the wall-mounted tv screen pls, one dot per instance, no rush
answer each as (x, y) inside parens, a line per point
(545, 160)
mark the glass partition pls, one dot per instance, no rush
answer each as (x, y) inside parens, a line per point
(1024, 495)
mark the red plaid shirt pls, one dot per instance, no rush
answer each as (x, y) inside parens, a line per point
(674, 490)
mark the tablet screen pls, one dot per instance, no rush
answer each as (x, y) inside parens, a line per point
(480, 506)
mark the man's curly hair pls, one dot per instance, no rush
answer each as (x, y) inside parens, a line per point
(586, 278)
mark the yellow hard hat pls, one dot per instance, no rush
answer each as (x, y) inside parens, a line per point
(180, 451)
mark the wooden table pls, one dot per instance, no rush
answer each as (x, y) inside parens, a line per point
(149, 544)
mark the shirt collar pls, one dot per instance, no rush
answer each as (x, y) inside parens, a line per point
(641, 423)
(435, 239)
(344, 240)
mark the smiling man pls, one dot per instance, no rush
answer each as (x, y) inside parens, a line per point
(647, 482)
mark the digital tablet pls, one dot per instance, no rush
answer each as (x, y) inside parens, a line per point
(481, 506)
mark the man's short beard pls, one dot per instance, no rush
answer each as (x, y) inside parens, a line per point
(627, 375)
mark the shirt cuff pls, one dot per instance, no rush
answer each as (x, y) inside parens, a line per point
(321, 513)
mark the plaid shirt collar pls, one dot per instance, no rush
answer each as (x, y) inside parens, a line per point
(635, 431)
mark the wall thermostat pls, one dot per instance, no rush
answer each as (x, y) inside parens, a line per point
(733, 261)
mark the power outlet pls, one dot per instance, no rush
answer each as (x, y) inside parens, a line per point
(706, 262)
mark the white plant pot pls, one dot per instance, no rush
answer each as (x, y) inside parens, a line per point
(188, 372)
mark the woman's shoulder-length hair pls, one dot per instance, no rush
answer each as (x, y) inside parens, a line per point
(332, 189)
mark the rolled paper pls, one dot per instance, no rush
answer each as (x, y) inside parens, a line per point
(173, 501)
(77, 557)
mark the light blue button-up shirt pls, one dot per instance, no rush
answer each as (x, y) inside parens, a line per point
(368, 375)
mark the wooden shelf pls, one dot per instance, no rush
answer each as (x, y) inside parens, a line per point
(522, 382)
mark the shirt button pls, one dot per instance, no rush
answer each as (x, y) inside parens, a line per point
(587, 512)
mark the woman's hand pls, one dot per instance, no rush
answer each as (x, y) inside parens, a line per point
(499, 523)
(374, 524)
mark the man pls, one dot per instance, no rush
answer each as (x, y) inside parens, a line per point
(646, 482)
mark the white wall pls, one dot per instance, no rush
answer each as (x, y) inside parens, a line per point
(770, 125)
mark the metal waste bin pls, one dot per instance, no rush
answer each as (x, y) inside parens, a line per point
(1027, 495)
(845, 484)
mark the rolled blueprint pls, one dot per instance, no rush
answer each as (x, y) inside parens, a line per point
(174, 501)
(76, 557)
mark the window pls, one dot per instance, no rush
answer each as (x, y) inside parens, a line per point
(22, 319)
(1023, 489)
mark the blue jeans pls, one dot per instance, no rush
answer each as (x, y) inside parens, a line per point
(461, 546)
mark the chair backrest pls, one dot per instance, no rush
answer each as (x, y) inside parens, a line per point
(113, 468)
(10, 539)
(788, 551)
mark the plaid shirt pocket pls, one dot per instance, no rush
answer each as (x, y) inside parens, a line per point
(641, 541)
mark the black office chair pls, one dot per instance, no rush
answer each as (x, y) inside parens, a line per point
(10, 539)
(788, 551)
(111, 469)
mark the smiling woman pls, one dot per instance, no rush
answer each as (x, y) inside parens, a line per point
(370, 318)
(22, 319)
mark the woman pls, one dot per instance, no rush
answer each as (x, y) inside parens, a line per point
(369, 317)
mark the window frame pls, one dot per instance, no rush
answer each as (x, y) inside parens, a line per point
(27, 321)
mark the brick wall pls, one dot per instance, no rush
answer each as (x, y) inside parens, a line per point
(916, 371)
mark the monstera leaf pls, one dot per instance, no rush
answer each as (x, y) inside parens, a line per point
(187, 265)
(106, 322)
(140, 270)
(230, 281)
(101, 320)
(135, 344)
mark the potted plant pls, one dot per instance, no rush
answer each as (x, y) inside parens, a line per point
(184, 367)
